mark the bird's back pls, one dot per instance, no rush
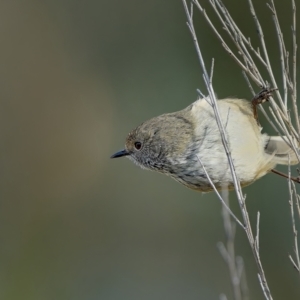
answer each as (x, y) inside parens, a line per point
(245, 140)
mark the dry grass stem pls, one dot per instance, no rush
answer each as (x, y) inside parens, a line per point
(292, 202)
(249, 66)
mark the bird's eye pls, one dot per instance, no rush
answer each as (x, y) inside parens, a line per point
(138, 145)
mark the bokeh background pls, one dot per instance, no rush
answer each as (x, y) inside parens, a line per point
(76, 77)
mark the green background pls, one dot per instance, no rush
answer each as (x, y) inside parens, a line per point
(76, 77)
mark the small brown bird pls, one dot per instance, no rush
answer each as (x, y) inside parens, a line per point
(173, 143)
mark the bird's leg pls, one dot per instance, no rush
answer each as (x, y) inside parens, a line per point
(260, 98)
(295, 179)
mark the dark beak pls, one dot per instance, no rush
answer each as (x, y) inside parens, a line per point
(120, 154)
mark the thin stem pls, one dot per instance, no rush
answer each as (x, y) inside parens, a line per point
(295, 232)
(224, 44)
(264, 49)
(230, 249)
(219, 196)
(237, 186)
(294, 92)
(282, 50)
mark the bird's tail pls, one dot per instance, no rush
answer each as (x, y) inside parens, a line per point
(281, 152)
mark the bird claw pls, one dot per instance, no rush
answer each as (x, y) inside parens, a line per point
(263, 96)
(260, 98)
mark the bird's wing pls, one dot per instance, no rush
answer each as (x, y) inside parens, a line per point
(282, 153)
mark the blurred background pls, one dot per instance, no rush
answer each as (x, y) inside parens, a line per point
(76, 77)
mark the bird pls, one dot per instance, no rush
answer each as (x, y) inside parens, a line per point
(179, 144)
